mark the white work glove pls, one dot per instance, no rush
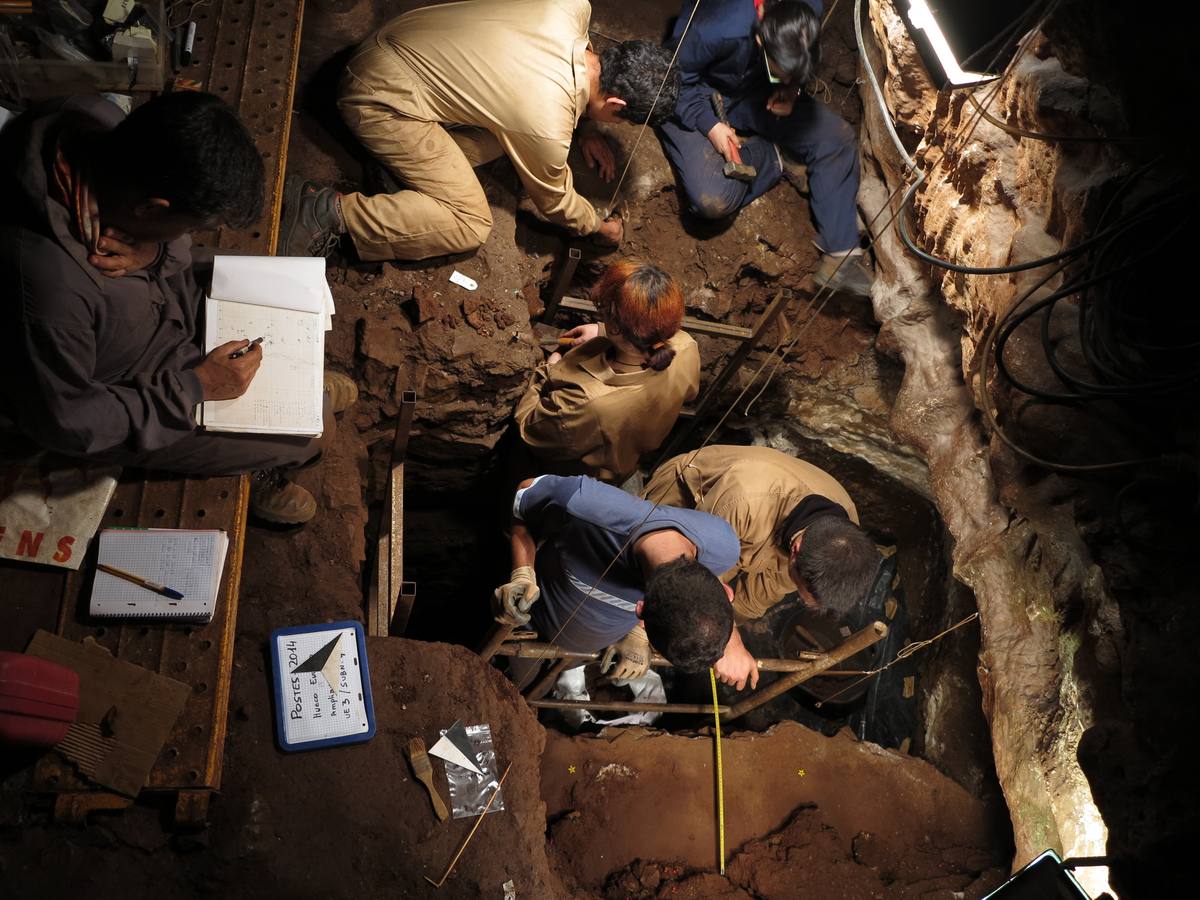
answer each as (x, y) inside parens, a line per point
(631, 654)
(512, 601)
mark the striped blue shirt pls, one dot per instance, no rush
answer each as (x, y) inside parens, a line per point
(581, 524)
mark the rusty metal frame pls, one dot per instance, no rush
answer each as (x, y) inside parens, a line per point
(796, 672)
(565, 271)
(532, 649)
(391, 597)
(749, 340)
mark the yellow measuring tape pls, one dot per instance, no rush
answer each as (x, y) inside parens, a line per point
(712, 676)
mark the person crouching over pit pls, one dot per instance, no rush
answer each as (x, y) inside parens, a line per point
(616, 393)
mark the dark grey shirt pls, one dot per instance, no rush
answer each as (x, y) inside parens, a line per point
(87, 363)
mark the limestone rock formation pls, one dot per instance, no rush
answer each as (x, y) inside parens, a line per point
(1051, 663)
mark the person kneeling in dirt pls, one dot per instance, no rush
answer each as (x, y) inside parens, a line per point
(797, 526)
(440, 90)
(596, 568)
(744, 65)
(616, 394)
(99, 336)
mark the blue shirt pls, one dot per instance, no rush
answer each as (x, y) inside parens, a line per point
(583, 525)
(719, 53)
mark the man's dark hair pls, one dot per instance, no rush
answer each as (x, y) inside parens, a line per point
(190, 149)
(688, 615)
(634, 71)
(837, 561)
(789, 30)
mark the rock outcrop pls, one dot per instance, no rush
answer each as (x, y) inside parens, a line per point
(1051, 663)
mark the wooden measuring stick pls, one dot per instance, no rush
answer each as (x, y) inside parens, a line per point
(471, 833)
(423, 770)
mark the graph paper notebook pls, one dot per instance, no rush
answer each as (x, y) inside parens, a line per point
(285, 301)
(190, 562)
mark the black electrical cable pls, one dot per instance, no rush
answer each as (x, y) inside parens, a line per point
(1084, 389)
(1069, 253)
(1103, 236)
(1016, 131)
(1019, 311)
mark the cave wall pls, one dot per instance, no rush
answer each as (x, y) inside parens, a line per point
(1050, 656)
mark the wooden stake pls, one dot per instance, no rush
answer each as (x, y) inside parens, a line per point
(471, 833)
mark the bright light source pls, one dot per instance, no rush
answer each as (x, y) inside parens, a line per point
(965, 42)
(921, 18)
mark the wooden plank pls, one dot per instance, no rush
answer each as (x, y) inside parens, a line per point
(246, 53)
(691, 325)
(390, 597)
(199, 655)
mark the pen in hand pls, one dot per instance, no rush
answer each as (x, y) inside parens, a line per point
(237, 353)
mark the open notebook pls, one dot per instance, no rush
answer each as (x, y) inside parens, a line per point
(286, 301)
(189, 561)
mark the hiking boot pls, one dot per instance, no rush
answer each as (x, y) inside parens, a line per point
(342, 391)
(850, 276)
(312, 220)
(275, 499)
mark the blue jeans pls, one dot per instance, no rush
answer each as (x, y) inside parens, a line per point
(813, 134)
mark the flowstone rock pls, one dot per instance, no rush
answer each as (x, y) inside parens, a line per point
(1050, 664)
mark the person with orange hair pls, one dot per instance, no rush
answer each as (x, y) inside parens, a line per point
(614, 395)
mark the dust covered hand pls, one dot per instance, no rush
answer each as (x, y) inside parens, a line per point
(738, 665)
(511, 602)
(631, 655)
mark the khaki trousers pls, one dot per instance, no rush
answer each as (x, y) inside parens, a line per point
(444, 209)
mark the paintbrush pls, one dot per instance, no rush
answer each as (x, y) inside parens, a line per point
(557, 342)
(423, 770)
(170, 593)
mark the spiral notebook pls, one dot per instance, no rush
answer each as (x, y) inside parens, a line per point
(190, 561)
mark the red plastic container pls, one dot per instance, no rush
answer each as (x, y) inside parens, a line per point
(39, 700)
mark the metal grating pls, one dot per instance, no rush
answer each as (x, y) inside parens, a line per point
(245, 52)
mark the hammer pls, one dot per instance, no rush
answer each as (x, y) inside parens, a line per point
(731, 169)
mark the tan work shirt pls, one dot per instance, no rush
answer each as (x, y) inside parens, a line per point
(588, 419)
(515, 68)
(753, 489)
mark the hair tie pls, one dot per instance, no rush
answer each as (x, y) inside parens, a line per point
(658, 346)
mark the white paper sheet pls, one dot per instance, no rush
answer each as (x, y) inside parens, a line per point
(287, 302)
(285, 396)
(283, 282)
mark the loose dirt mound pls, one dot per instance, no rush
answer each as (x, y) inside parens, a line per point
(806, 815)
(345, 822)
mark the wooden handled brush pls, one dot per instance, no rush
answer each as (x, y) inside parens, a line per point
(423, 770)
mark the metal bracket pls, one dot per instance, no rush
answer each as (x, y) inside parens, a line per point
(391, 598)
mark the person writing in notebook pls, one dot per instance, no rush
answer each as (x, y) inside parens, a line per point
(99, 341)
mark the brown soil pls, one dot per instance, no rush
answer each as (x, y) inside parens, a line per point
(805, 815)
(350, 822)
